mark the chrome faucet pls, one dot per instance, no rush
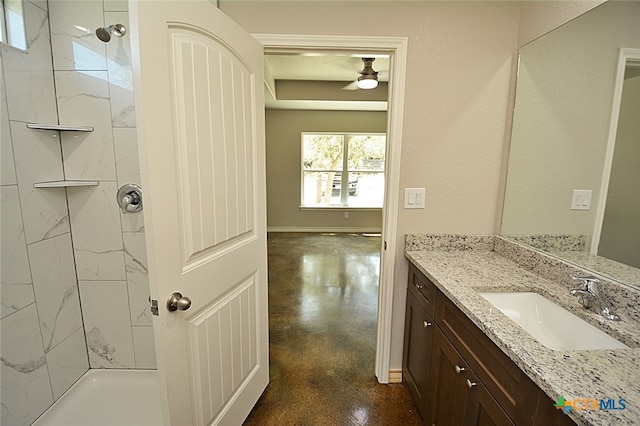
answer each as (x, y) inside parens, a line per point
(592, 296)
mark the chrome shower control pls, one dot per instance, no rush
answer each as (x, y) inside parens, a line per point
(105, 33)
(129, 198)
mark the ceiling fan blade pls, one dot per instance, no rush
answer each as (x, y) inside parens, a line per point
(351, 86)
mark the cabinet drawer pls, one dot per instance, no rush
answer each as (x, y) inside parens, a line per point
(511, 388)
(423, 289)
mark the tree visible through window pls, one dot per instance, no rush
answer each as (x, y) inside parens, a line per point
(343, 170)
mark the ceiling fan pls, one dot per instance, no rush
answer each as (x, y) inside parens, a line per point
(368, 78)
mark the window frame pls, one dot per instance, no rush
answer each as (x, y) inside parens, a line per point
(12, 24)
(344, 195)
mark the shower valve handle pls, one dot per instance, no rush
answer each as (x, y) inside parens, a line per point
(129, 198)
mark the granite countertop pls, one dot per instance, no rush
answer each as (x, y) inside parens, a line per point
(591, 374)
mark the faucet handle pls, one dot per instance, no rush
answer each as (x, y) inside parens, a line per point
(592, 296)
(588, 281)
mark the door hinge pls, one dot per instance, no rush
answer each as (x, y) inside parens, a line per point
(385, 245)
(154, 307)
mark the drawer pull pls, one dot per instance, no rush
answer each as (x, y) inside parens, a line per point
(419, 286)
(426, 324)
(459, 369)
(470, 384)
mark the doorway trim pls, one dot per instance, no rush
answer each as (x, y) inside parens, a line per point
(626, 56)
(396, 48)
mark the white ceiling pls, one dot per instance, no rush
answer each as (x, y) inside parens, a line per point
(319, 68)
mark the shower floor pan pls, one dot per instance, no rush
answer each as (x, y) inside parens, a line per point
(108, 398)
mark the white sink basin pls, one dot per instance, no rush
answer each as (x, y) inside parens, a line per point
(550, 324)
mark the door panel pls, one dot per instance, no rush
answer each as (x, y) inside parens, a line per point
(223, 352)
(214, 117)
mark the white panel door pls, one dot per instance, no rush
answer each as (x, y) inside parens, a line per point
(200, 113)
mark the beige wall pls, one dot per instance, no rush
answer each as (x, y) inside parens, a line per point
(283, 129)
(459, 84)
(540, 17)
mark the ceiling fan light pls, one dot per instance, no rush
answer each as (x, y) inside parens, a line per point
(367, 82)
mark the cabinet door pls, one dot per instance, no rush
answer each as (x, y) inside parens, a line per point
(480, 406)
(513, 390)
(417, 350)
(447, 388)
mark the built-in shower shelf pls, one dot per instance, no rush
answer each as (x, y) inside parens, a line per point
(65, 183)
(60, 128)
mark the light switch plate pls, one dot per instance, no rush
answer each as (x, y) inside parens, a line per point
(581, 199)
(414, 198)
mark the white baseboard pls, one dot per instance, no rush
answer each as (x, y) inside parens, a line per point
(395, 376)
(351, 230)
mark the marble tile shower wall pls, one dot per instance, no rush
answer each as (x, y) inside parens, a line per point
(74, 279)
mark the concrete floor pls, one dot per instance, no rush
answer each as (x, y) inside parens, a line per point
(323, 296)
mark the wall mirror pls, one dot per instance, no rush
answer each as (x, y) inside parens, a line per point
(575, 122)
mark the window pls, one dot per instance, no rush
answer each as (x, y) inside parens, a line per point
(12, 31)
(343, 170)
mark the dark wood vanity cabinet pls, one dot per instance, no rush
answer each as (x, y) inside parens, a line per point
(457, 375)
(456, 395)
(418, 337)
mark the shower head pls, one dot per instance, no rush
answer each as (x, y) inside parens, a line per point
(104, 33)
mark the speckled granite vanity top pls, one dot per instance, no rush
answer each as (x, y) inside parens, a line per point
(463, 266)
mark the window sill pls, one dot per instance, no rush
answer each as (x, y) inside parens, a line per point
(341, 208)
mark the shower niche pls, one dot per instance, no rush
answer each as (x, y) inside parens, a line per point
(62, 183)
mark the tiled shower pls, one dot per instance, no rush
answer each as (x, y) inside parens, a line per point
(74, 280)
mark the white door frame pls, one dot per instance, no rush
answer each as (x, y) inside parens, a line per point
(396, 47)
(625, 56)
